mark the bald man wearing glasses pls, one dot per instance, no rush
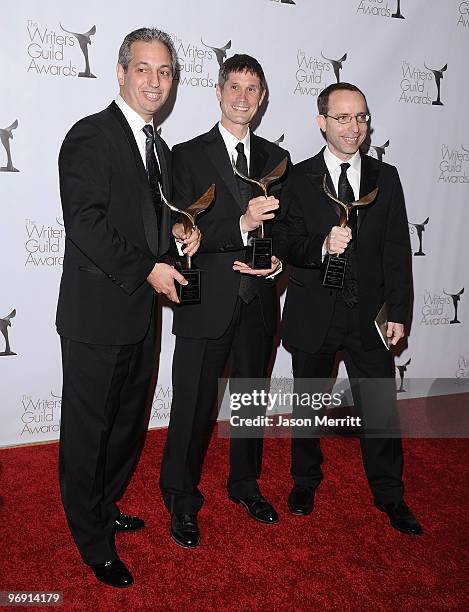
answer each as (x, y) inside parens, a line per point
(320, 319)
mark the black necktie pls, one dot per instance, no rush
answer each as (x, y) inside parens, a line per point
(245, 190)
(247, 285)
(153, 170)
(345, 194)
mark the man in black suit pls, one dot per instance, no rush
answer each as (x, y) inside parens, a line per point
(319, 321)
(117, 234)
(237, 315)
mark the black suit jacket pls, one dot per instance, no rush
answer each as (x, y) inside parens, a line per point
(112, 236)
(383, 253)
(196, 165)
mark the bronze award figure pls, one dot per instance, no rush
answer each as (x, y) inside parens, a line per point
(259, 249)
(333, 268)
(190, 293)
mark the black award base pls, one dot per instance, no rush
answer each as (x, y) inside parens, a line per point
(190, 293)
(259, 253)
(333, 271)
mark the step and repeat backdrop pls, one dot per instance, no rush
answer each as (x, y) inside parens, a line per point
(58, 62)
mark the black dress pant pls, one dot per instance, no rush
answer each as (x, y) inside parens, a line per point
(197, 366)
(374, 400)
(104, 397)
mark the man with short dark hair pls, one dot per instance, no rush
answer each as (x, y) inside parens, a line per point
(117, 235)
(237, 315)
(320, 320)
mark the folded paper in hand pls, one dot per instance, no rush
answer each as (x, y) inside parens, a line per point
(381, 324)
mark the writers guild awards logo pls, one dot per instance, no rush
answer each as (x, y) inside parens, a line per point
(6, 134)
(220, 52)
(5, 323)
(438, 74)
(419, 228)
(398, 14)
(455, 297)
(41, 415)
(380, 150)
(44, 244)
(84, 40)
(454, 164)
(402, 370)
(161, 405)
(336, 64)
(279, 140)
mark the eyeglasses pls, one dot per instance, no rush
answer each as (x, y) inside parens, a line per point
(361, 118)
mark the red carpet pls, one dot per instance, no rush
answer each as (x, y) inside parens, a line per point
(343, 557)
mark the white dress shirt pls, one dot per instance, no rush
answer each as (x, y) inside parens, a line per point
(136, 124)
(353, 173)
(231, 142)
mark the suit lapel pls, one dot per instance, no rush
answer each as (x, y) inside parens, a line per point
(164, 238)
(150, 222)
(140, 167)
(329, 209)
(258, 159)
(368, 181)
(218, 155)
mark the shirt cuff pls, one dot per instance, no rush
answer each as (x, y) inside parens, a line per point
(244, 235)
(323, 251)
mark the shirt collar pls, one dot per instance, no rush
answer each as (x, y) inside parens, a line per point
(231, 141)
(133, 118)
(333, 162)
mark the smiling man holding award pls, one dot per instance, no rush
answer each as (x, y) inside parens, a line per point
(237, 313)
(348, 244)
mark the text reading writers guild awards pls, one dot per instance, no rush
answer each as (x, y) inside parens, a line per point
(333, 267)
(190, 293)
(259, 248)
(4, 325)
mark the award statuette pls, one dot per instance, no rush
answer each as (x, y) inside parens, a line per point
(333, 267)
(190, 293)
(259, 249)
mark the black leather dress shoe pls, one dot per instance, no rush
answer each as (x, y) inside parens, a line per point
(401, 518)
(125, 522)
(185, 530)
(301, 500)
(114, 573)
(258, 508)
